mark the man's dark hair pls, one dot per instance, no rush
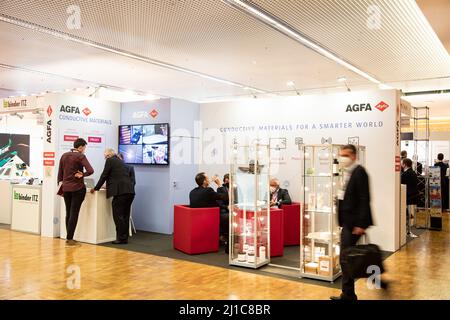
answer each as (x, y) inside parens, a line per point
(350, 147)
(226, 176)
(407, 162)
(200, 178)
(440, 156)
(80, 142)
(404, 154)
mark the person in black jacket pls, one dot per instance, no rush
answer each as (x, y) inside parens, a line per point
(444, 180)
(354, 213)
(204, 196)
(224, 211)
(278, 196)
(120, 183)
(409, 177)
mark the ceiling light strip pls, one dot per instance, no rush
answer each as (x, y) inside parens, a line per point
(287, 30)
(66, 36)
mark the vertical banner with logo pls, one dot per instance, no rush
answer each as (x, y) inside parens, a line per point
(435, 198)
(50, 201)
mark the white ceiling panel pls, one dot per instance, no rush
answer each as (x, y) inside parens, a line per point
(397, 44)
(206, 36)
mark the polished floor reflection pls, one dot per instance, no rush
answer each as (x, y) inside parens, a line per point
(32, 267)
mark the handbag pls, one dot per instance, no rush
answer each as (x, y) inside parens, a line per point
(359, 259)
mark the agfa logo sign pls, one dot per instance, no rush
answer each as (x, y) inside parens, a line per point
(87, 111)
(366, 107)
(359, 107)
(154, 113)
(49, 111)
(75, 110)
(145, 115)
(382, 106)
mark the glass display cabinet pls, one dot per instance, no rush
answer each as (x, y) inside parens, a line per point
(249, 206)
(322, 178)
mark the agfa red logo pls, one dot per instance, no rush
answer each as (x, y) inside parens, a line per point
(86, 111)
(49, 111)
(382, 106)
(154, 113)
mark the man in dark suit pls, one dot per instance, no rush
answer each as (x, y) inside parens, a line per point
(119, 185)
(278, 196)
(409, 177)
(204, 196)
(444, 180)
(354, 213)
(224, 211)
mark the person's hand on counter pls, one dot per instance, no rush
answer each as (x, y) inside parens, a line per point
(92, 190)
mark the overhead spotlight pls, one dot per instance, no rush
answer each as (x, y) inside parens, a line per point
(20, 116)
(342, 79)
(290, 84)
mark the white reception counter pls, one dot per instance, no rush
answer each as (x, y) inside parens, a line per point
(95, 222)
(5, 201)
(26, 208)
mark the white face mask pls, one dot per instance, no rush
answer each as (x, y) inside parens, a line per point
(273, 189)
(345, 162)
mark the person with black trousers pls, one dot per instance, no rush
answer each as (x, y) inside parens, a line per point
(278, 196)
(444, 180)
(224, 211)
(204, 196)
(409, 178)
(120, 182)
(354, 212)
(71, 176)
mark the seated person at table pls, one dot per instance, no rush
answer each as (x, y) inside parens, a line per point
(204, 196)
(278, 196)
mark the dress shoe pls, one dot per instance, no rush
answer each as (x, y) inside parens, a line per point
(72, 243)
(120, 242)
(344, 297)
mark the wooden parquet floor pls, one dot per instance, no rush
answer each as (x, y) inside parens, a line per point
(32, 267)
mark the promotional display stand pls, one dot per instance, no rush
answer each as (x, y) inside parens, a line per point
(250, 206)
(435, 199)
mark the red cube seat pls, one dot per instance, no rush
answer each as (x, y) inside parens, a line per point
(196, 230)
(291, 224)
(276, 232)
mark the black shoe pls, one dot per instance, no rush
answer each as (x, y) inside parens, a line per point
(120, 242)
(344, 297)
(384, 285)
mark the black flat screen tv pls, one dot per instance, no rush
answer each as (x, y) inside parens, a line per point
(146, 144)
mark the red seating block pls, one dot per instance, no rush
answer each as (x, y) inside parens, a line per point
(291, 224)
(276, 232)
(196, 230)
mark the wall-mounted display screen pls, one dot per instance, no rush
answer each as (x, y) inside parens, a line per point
(145, 144)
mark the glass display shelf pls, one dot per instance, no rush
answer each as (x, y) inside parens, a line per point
(249, 243)
(322, 179)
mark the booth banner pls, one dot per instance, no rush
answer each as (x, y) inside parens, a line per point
(370, 119)
(67, 118)
(20, 102)
(435, 192)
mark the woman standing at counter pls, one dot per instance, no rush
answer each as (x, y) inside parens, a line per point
(120, 183)
(71, 174)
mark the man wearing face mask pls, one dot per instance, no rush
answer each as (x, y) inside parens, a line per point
(278, 196)
(354, 213)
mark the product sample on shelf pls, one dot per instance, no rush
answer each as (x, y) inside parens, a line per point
(249, 206)
(322, 181)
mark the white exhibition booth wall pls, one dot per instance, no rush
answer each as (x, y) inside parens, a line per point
(316, 119)
(68, 117)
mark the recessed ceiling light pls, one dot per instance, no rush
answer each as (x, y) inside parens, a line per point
(254, 61)
(429, 101)
(290, 83)
(342, 79)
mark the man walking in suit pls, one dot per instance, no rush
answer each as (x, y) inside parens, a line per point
(278, 196)
(119, 185)
(444, 180)
(354, 213)
(409, 177)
